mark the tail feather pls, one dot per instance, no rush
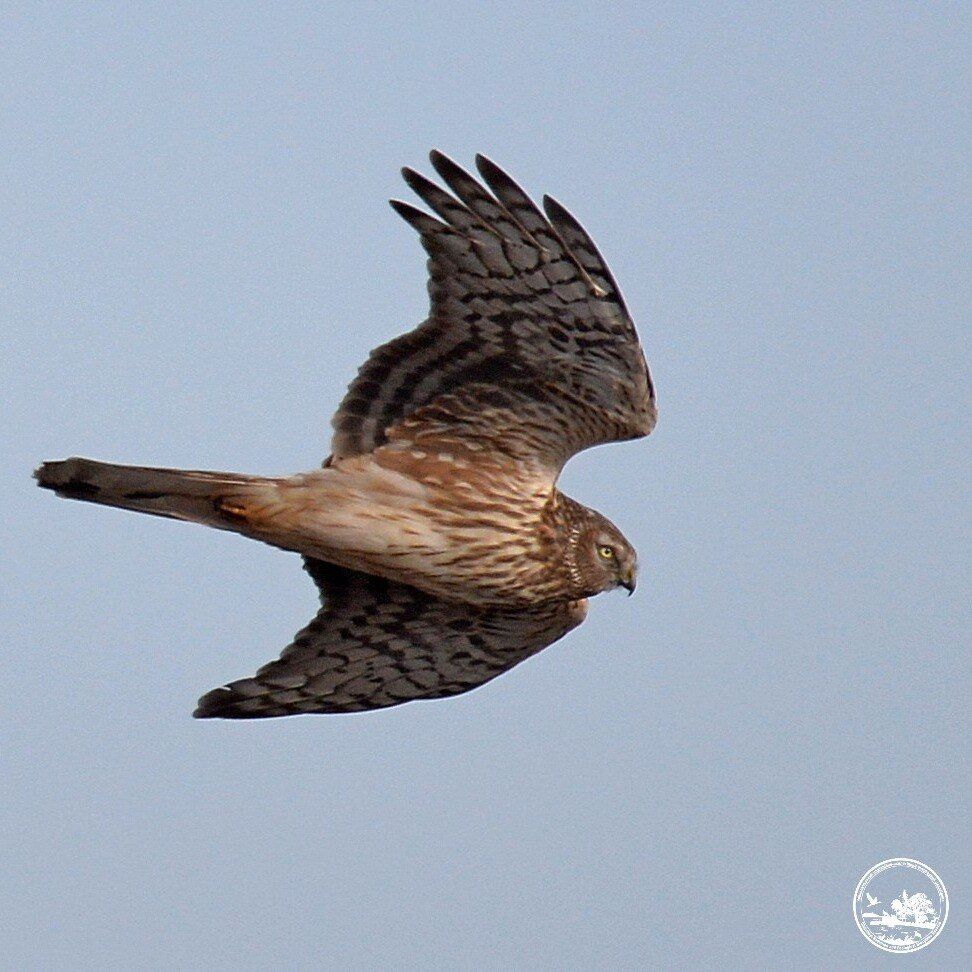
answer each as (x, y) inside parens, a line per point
(214, 498)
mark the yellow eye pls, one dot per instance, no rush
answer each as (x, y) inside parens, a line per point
(606, 552)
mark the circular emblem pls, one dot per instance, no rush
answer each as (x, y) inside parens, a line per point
(900, 905)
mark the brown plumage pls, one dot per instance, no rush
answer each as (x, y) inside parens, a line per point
(443, 551)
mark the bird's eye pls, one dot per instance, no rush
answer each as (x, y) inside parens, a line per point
(606, 552)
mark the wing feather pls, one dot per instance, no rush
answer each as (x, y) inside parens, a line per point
(375, 644)
(519, 298)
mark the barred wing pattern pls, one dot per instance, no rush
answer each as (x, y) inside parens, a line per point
(527, 327)
(376, 643)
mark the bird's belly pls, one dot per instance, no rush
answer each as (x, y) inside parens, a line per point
(458, 543)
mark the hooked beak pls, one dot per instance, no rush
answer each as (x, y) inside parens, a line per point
(629, 582)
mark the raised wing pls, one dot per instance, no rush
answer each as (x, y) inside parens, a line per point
(523, 307)
(375, 643)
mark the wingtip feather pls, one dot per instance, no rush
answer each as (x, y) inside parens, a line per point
(417, 218)
(555, 209)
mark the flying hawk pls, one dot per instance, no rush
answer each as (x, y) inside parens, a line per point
(442, 548)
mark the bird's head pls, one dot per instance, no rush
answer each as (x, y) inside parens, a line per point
(599, 557)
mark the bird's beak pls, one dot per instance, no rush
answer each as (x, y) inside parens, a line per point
(629, 582)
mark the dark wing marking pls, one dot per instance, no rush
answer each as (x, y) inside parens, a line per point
(375, 643)
(518, 297)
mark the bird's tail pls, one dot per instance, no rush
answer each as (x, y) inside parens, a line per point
(221, 500)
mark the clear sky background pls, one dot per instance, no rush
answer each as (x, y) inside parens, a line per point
(196, 256)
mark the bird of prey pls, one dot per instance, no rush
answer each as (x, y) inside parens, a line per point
(442, 548)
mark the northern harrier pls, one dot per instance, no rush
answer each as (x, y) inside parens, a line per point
(443, 550)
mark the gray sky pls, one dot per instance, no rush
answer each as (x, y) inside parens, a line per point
(195, 256)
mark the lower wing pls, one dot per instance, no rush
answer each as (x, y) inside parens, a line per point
(375, 643)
